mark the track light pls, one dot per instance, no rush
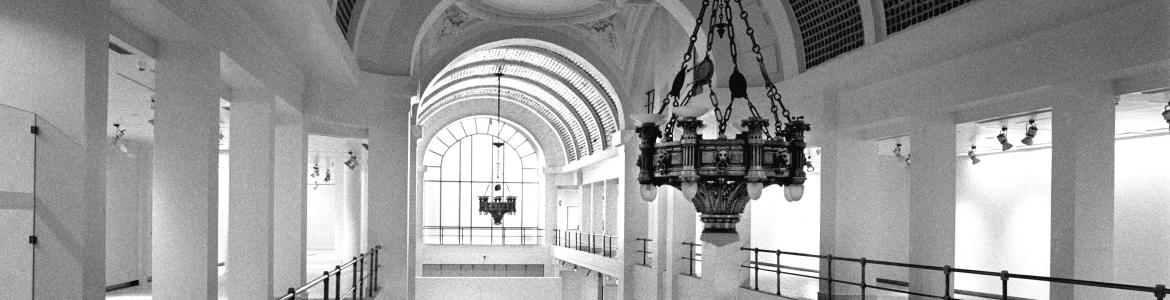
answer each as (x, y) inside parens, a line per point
(352, 162)
(1030, 133)
(1002, 137)
(118, 134)
(1166, 113)
(899, 155)
(971, 154)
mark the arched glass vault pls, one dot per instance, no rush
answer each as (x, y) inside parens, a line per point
(572, 96)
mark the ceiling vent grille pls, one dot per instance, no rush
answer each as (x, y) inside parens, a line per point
(828, 28)
(344, 15)
(901, 14)
(118, 49)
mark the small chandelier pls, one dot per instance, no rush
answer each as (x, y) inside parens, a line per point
(495, 201)
(719, 175)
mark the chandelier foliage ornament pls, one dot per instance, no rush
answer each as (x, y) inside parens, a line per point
(719, 175)
(495, 201)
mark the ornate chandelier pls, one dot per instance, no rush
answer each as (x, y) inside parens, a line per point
(495, 202)
(719, 175)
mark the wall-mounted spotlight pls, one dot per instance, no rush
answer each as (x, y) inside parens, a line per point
(902, 156)
(971, 154)
(352, 162)
(1030, 133)
(1002, 137)
(1166, 113)
(118, 134)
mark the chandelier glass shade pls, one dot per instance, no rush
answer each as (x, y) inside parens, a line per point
(495, 201)
(719, 175)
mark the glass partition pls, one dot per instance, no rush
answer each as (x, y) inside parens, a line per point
(17, 156)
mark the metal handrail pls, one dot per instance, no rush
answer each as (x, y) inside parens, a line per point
(586, 242)
(693, 258)
(1159, 291)
(535, 234)
(363, 270)
(645, 250)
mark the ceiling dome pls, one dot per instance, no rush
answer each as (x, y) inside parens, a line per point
(543, 11)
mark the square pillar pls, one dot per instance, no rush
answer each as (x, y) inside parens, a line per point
(1082, 188)
(289, 204)
(250, 210)
(392, 219)
(185, 172)
(932, 201)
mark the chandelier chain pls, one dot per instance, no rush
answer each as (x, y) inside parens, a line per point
(772, 93)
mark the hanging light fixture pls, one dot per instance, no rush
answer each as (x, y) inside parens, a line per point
(1030, 134)
(719, 175)
(971, 154)
(495, 201)
(1003, 141)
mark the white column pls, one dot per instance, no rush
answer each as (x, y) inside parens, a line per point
(634, 222)
(185, 172)
(250, 238)
(349, 241)
(1082, 188)
(289, 205)
(932, 201)
(722, 274)
(391, 217)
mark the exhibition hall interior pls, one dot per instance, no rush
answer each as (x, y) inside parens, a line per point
(585, 149)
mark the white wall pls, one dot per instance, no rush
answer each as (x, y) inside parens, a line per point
(488, 288)
(1002, 220)
(1142, 226)
(128, 213)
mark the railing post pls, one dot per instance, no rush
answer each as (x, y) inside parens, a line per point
(361, 279)
(1160, 292)
(756, 265)
(863, 283)
(325, 295)
(377, 266)
(830, 271)
(292, 292)
(355, 278)
(778, 272)
(1004, 277)
(947, 282)
(692, 258)
(337, 283)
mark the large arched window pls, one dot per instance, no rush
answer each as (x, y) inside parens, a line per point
(459, 168)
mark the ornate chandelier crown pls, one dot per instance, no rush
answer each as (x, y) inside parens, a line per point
(495, 202)
(719, 175)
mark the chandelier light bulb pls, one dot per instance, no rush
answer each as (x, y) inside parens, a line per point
(1003, 141)
(755, 190)
(1030, 133)
(794, 192)
(690, 189)
(971, 154)
(649, 192)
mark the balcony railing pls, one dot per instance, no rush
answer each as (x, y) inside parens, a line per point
(599, 244)
(482, 235)
(755, 266)
(363, 280)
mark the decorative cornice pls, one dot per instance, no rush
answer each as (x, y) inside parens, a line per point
(480, 9)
